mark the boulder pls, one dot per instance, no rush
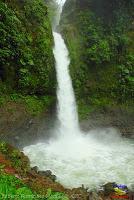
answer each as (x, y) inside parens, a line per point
(47, 173)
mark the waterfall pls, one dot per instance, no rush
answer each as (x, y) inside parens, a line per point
(77, 158)
(66, 109)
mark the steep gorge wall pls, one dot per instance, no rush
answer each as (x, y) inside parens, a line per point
(27, 72)
(99, 35)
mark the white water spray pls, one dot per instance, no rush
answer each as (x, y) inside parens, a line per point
(75, 158)
(67, 113)
(66, 107)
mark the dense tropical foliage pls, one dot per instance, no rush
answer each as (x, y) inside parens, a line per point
(13, 188)
(27, 62)
(100, 38)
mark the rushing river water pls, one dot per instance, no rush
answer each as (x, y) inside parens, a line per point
(74, 157)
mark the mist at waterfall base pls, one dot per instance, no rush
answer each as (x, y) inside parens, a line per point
(76, 158)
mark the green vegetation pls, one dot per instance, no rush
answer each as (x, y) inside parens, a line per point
(17, 180)
(3, 147)
(55, 195)
(27, 62)
(100, 36)
(17, 159)
(52, 10)
(34, 105)
(84, 109)
(13, 188)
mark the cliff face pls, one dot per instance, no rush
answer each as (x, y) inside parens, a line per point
(99, 35)
(27, 72)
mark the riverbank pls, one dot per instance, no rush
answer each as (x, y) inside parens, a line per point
(26, 120)
(117, 117)
(23, 124)
(16, 173)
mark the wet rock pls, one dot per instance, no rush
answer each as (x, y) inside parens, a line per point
(108, 188)
(20, 129)
(53, 177)
(119, 118)
(47, 173)
(35, 169)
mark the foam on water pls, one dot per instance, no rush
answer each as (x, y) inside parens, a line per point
(78, 158)
(88, 160)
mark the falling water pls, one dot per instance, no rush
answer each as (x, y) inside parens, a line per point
(76, 158)
(67, 113)
(66, 108)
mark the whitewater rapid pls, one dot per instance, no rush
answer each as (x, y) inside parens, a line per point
(77, 158)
